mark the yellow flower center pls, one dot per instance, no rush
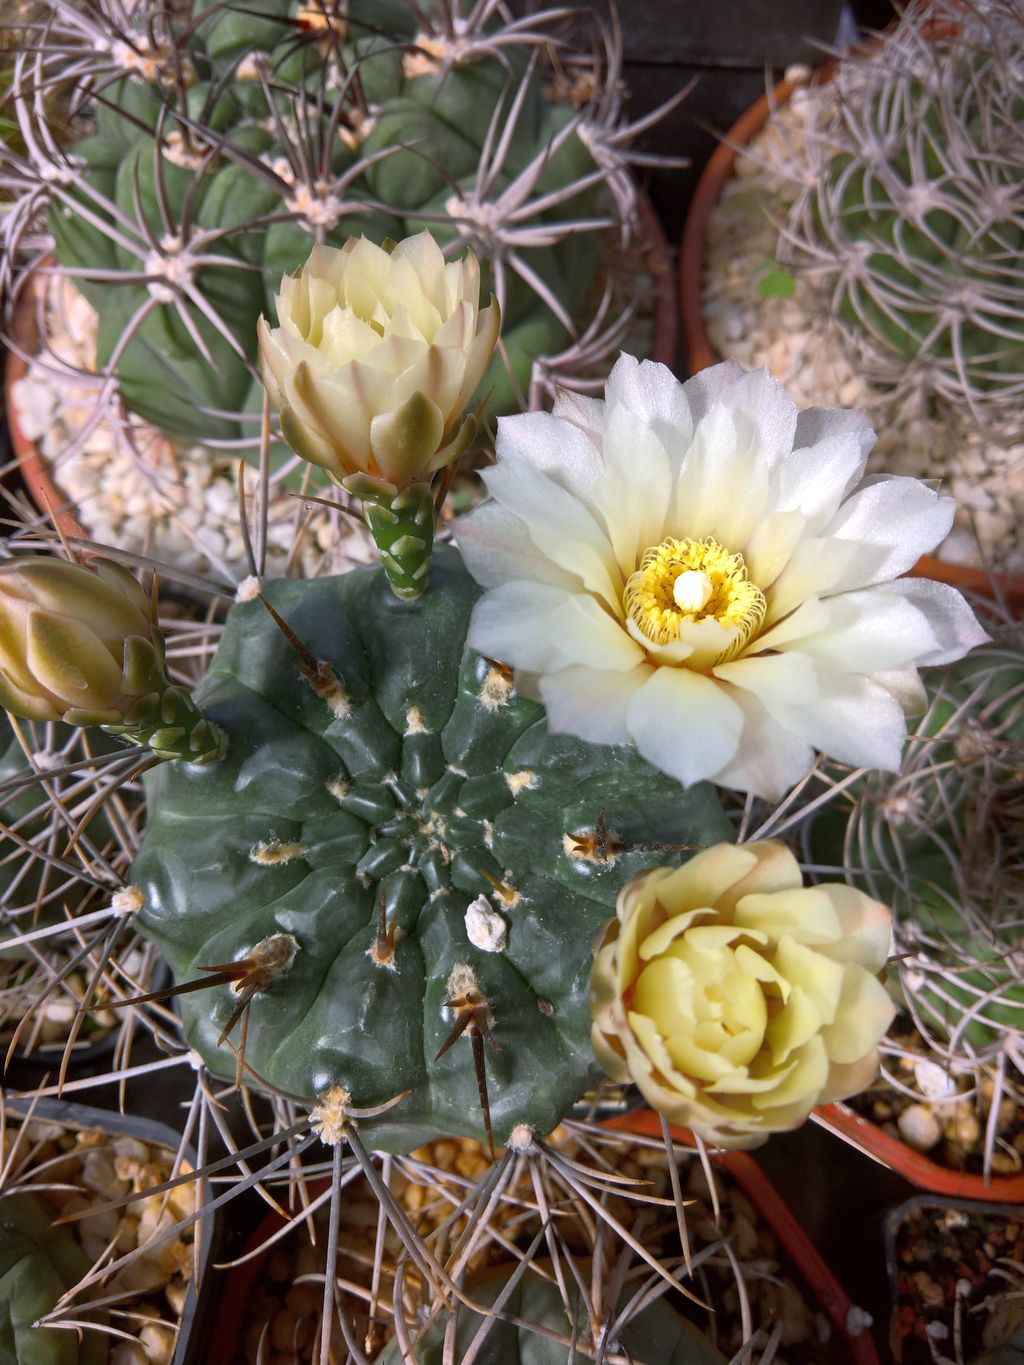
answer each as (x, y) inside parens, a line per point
(693, 580)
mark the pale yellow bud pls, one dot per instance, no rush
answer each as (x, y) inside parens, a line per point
(63, 630)
(735, 998)
(376, 357)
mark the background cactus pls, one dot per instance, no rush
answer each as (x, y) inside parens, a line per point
(650, 1332)
(417, 785)
(223, 140)
(941, 843)
(911, 219)
(38, 1264)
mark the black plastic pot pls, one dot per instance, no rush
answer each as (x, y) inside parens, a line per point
(913, 1313)
(200, 1306)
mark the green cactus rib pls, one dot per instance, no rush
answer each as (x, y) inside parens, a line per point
(409, 774)
(656, 1335)
(191, 216)
(38, 1264)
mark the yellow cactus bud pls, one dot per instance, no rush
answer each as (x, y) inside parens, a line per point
(63, 630)
(737, 999)
(377, 356)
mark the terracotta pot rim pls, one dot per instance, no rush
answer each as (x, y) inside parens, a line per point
(35, 471)
(700, 353)
(919, 1169)
(831, 1297)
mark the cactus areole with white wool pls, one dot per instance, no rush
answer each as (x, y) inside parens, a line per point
(402, 828)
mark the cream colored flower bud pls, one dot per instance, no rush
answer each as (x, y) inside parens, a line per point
(735, 998)
(376, 357)
(63, 630)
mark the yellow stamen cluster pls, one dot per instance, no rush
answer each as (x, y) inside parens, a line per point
(693, 580)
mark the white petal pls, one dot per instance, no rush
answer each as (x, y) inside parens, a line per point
(954, 625)
(560, 525)
(877, 534)
(585, 413)
(893, 521)
(705, 387)
(822, 424)
(723, 485)
(655, 397)
(771, 544)
(814, 480)
(814, 569)
(906, 686)
(847, 717)
(591, 704)
(759, 402)
(543, 629)
(634, 494)
(558, 449)
(685, 724)
(496, 548)
(769, 760)
(864, 632)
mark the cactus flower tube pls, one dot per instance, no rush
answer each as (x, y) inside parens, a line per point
(373, 364)
(80, 645)
(736, 998)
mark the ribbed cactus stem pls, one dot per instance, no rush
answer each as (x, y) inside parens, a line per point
(402, 525)
(163, 718)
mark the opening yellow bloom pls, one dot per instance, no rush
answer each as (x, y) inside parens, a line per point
(734, 997)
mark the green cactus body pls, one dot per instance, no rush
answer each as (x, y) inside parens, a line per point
(412, 776)
(656, 1335)
(197, 381)
(38, 1264)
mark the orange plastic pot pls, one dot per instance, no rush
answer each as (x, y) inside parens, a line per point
(915, 1166)
(700, 352)
(818, 1279)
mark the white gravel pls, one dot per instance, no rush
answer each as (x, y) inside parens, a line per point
(135, 489)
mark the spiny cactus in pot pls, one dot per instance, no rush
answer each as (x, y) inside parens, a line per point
(940, 842)
(531, 1326)
(915, 218)
(867, 244)
(216, 144)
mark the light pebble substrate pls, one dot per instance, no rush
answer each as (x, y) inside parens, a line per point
(134, 489)
(792, 338)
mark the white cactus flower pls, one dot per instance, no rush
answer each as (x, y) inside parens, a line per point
(702, 571)
(377, 356)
